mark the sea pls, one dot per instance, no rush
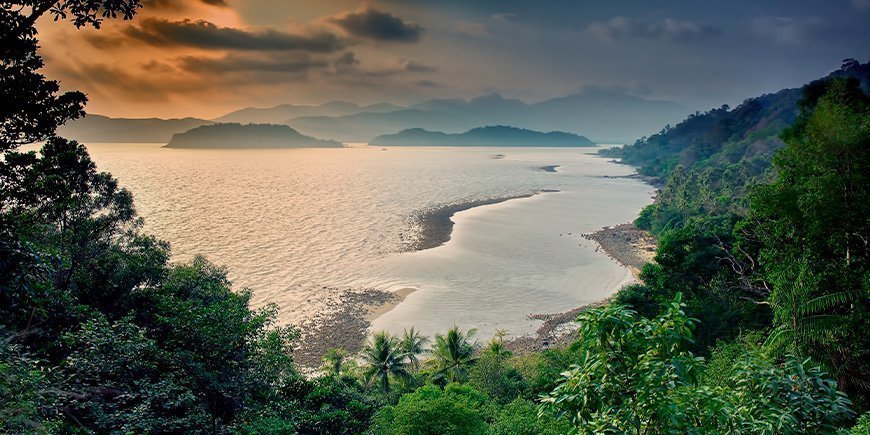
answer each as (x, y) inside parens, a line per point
(297, 225)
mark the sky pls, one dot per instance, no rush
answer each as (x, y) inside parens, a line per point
(204, 58)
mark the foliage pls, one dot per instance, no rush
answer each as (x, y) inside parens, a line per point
(334, 361)
(520, 417)
(709, 161)
(413, 344)
(384, 360)
(454, 353)
(493, 375)
(812, 229)
(634, 376)
(457, 409)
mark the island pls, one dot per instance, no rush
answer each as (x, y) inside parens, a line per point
(247, 136)
(490, 136)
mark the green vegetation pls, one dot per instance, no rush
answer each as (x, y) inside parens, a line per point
(753, 318)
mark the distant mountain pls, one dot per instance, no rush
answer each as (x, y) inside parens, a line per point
(363, 127)
(494, 136)
(247, 136)
(607, 117)
(280, 114)
(97, 128)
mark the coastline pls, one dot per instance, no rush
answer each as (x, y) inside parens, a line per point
(432, 228)
(626, 244)
(344, 324)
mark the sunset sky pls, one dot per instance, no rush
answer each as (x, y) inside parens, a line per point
(204, 58)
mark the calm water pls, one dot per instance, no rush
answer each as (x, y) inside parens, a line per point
(289, 223)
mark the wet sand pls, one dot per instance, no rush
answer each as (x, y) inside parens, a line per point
(627, 245)
(432, 228)
(344, 324)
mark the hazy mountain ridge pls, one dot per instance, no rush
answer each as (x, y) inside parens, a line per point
(98, 128)
(499, 135)
(281, 113)
(235, 136)
(603, 116)
(608, 117)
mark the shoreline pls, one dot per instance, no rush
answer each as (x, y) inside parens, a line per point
(432, 228)
(626, 244)
(346, 324)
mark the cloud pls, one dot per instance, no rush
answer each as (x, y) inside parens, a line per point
(233, 63)
(378, 25)
(504, 17)
(861, 4)
(470, 28)
(787, 30)
(668, 29)
(427, 84)
(417, 67)
(179, 4)
(206, 35)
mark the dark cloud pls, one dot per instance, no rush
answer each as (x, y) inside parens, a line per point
(291, 65)
(417, 67)
(179, 4)
(668, 29)
(427, 84)
(206, 35)
(346, 61)
(378, 25)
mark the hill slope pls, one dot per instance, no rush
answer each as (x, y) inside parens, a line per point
(500, 136)
(97, 128)
(710, 159)
(247, 136)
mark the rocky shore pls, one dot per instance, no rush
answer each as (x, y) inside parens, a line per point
(625, 243)
(343, 325)
(432, 228)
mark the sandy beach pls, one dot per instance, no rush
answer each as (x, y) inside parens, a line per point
(346, 324)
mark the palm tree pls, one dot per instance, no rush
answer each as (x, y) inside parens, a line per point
(384, 359)
(413, 344)
(497, 347)
(454, 353)
(333, 360)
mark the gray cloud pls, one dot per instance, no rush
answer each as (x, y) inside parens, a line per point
(206, 35)
(787, 30)
(668, 29)
(504, 17)
(378, 25)
(237, 63)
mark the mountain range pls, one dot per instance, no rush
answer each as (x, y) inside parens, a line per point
(498, 135)
(603, 116)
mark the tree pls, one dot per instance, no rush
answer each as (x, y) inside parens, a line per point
(812, 233)
(384, 360)
(634, 375)
(456, 410)
(413, 344)
(453, 354)
(333, 361)
(30, 109)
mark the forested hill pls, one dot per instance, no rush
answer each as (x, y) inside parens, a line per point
(709, 160)
(724, 135)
